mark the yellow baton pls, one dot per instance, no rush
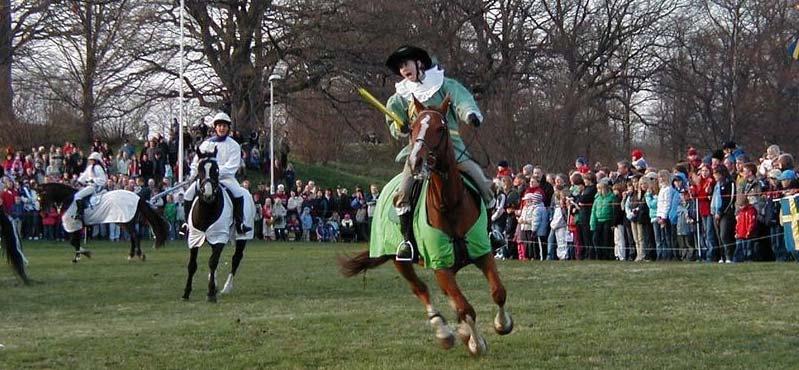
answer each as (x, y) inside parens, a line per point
(369, 98)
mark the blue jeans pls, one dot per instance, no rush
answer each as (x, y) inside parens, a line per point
(664, 237)
(743, 250)
(778, 243)
(711, 241)
(552, 246)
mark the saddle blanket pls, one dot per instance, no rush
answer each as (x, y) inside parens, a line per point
(435, 247)
(118, 206)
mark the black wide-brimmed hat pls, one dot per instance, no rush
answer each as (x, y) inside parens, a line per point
(408, 52)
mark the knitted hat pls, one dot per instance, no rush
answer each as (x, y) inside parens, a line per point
(637, 154)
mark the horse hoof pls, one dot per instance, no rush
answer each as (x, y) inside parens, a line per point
(130, 258)
(143, 258)
(477, 346)
(444, 335)
(185, 298)
(227, 289)
(211, 299)
(503, 323)
(74, 260)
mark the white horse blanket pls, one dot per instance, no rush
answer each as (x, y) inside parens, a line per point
(220, 231)
(117, 206)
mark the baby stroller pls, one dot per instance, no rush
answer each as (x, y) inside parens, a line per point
(326, 231)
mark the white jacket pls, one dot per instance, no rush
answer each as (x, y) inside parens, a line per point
(93, 175)
(228, 157)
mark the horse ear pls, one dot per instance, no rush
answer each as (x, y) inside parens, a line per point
(445, 105)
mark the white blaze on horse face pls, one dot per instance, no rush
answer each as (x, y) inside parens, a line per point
(417, 146)
(208, 189)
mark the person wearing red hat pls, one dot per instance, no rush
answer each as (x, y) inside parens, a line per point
(638, 161)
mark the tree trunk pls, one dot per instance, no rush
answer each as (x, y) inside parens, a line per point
(6, 58)
(87, 103)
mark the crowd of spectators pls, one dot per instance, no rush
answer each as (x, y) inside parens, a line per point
(723, 207)
(297, 211)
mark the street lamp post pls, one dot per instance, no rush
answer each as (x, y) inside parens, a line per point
(277, 74)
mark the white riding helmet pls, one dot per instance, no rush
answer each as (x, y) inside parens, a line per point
(221, 117)
(96, 156)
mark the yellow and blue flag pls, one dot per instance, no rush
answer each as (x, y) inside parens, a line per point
(793, 49)
(789, 219)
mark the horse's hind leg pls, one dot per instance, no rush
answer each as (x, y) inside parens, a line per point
(133, 242)
(443, 332)
(213, 262)
(467, 327)
(503, 322)
(237, 257)
(192, 268)
(74, 240)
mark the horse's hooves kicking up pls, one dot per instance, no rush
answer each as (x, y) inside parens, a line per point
(503, 323)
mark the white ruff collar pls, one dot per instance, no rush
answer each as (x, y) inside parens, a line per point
(433, 79)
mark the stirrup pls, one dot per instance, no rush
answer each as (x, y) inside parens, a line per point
(183, 229)
(398, 257)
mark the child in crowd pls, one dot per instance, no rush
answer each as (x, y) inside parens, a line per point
(170, 213)
(279, 215)
(745, 227)
(560, 215)
(525, 235)
(686, 227)
(601, 221)
(306, 222)
(294, 228)
(268, 220)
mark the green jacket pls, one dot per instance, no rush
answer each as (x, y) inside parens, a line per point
(170, 212)
(462, 103)
(603, 209)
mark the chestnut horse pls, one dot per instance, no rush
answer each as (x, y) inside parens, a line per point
(450, 230)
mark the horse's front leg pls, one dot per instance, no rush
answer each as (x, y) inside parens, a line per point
(133, 243)
(467, 327)
(213, 262)
(237, 257)
(503, 322)
(445, 336)
(192, 268)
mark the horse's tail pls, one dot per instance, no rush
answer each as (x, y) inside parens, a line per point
(157, 223)
(351, 266)
(12, 247)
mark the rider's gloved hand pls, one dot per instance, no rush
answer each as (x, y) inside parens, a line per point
(473, 120)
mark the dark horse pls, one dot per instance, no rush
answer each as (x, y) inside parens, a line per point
(453, 210)
(211, 220)
(12, 247)
(61, 196)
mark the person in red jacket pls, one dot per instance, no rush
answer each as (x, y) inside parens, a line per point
(702, 190)
(745, 226)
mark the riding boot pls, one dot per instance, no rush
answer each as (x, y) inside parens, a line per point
(405, 250)
(238, 215)
(184, 229)
(80, 205)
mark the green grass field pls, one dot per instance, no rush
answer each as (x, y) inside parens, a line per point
(291, 309)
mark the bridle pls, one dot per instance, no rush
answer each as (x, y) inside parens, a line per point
(208, 180)
(431, 151)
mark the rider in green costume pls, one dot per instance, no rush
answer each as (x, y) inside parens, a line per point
(426, 82)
